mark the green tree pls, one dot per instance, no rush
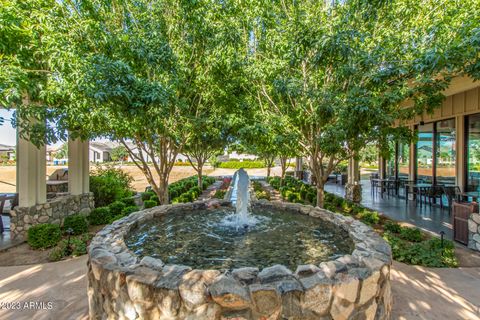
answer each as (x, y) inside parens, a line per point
(62, 152)
(339, 73)
(119, 153)
(151, 72)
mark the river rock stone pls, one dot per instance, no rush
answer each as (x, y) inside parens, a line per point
(193, 287)
(318, 293)
(229, 293)
(369, 288)
(153, 263)
(245, 275)
(306, 270)
(274, 273)
(265, 299)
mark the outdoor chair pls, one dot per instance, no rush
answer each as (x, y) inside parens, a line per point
(434, 193)
(392, 186)
(452, 193)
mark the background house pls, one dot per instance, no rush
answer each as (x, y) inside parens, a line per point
(7, 152)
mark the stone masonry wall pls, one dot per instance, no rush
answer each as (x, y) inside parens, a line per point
(122, 286)
(53, 211)
(474, 231)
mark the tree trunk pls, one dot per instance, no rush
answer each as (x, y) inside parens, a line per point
(200, 178)
(163, 191)
(320, 195)
(283, 163)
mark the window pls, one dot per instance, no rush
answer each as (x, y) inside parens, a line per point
(473, 152)
(425, 153)
(445, 152)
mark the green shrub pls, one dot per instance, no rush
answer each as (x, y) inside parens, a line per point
(220, 194)
(127, 210)
(262, 194)
(311, 197)
(292, 196)
(115, 218)
(128, 201)
(43, 236)
(109, 184)
(427, 253)
(411, 234)
(392, 227)
(56, 254)
(236, 164)
(77, 222)
(116, 208)
(78, 247)
(99, 216)
(146, 196)
(369, 217)
(150, 204)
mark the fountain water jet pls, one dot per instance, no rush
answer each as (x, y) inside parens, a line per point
(240, 198)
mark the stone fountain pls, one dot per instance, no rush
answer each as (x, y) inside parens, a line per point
(190, 261)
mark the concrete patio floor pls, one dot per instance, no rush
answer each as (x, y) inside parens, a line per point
(419, 293)
(432, 219)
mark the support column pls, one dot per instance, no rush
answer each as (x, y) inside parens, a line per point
(78, 167)
(299, 168)
(31, 173)
(412, 160)
(460, 152)
(381, 167)
(353, 188)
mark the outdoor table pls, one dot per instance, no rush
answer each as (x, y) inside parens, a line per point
(383, 184)
(4, 197)
(422, 187)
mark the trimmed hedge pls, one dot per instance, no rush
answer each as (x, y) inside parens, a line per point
(77, 223)
(236, 164)
(116, 208)
(187, 190)
(128, 201)
(42, 236)
(149, 204)
(99, 216)
(130, 209)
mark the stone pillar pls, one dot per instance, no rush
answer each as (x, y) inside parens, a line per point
(31, 173)
(353, 188)
(460, 152)
(78, 166)
(299, 168)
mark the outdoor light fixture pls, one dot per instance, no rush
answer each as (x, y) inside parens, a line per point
(68, 249)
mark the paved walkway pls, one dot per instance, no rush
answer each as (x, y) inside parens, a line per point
(419, 293)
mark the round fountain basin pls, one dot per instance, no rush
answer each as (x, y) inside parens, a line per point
(181, 262)
(205, 239)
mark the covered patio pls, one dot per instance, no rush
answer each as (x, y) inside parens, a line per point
(430, 218)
